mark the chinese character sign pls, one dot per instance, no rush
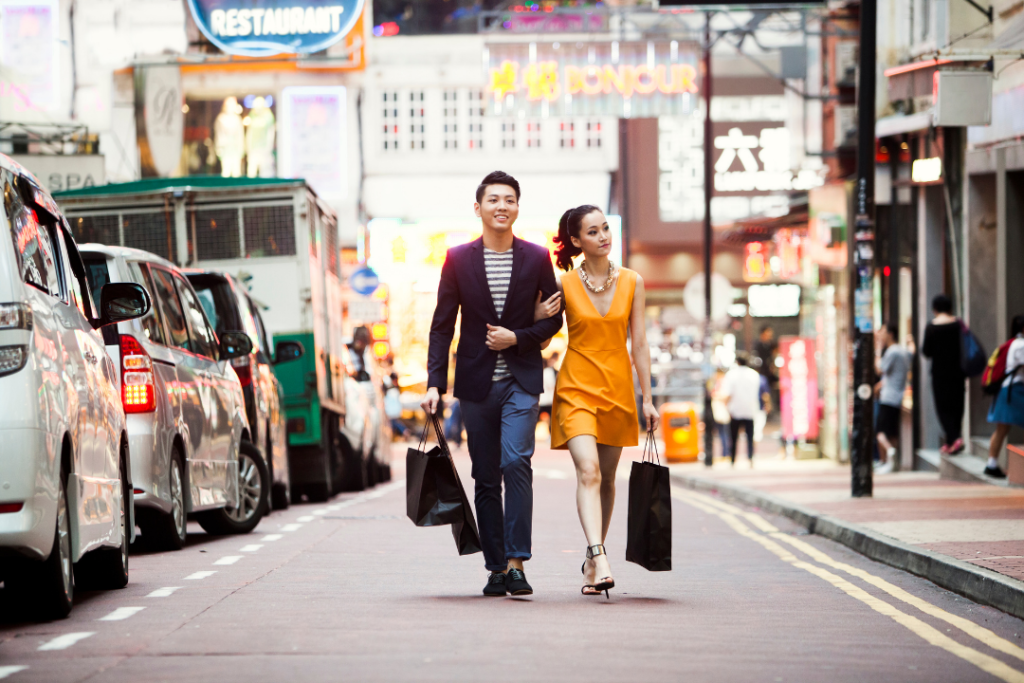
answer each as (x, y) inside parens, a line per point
(616, 78)
(798, 388)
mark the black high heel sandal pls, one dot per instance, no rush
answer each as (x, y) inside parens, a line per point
(606, 582)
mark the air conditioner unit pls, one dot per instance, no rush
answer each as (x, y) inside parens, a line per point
(962, 98)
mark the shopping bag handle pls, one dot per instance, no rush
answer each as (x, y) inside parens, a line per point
(651, 449)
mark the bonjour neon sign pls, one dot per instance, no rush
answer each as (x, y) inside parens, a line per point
(544, 80)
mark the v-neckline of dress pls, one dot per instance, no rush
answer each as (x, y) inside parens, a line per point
(593, 305)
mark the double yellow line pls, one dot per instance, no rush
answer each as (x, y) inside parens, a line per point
(766, 534)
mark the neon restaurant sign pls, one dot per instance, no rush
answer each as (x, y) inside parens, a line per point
(262, 28)
(651, 78)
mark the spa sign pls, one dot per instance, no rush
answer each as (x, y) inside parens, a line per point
(261, 28)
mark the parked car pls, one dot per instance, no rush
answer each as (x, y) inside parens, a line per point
(66, 513)
(229, 307)
(279, 232)
(191, 444)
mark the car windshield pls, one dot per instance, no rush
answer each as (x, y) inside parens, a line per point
(217, 301)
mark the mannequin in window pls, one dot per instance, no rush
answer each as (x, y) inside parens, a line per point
(229, 138)
(259, 140)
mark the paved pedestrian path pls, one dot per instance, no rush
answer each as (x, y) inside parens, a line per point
(978, 523)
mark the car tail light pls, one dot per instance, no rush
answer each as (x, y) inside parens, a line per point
(12, 358)
(243, 369)
(15, 317)
(11, 507)
(138, 390)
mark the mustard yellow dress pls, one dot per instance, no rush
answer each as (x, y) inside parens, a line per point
(594, 392)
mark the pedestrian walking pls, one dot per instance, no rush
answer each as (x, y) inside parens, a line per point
(741, 390)
(499, 377)
(1008, 407)
(942, 346)
(720, 411)
(594, 411)
(893, 367)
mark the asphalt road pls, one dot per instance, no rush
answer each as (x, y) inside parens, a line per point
(352, 591)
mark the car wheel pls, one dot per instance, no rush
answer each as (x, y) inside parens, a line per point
(168, 531)
(48, 587)
(354, 466)
(279, 498)
(253, 492)
(107, 568)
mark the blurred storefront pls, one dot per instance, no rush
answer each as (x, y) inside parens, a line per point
(261, 92)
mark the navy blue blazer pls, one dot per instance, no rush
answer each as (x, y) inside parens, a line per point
(464, 284)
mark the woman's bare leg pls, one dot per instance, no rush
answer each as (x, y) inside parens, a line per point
(995, 444)
(584, 451)
(609, 459)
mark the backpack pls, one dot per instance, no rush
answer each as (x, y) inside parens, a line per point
(995, 372)
(972, 353)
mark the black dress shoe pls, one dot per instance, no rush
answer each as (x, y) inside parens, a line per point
(517, 584)
(995, 472)
(495, 585)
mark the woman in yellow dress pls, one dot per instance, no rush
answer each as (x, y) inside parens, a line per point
(594, 410)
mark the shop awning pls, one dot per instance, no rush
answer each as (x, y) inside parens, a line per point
(761, 228)
(903, 123)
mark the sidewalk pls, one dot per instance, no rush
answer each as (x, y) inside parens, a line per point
(966, 537)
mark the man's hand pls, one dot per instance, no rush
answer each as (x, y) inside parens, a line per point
(543, 310)
(499, 338)
(430, 401)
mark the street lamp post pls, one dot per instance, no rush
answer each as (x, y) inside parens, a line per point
(862, 258)
(709, 435)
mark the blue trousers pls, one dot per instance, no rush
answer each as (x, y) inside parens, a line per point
(500, 431)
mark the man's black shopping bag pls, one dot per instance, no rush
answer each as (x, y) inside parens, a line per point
(434, 495)
(649, 529)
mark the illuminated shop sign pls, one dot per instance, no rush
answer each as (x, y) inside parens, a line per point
(798, 388)
(259, 28)
(615, 78)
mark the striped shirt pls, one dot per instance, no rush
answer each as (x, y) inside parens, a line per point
(498, 265)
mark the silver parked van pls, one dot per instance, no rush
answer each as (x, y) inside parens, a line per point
(192, 449)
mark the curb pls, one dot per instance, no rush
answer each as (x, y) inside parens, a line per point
(973, 582)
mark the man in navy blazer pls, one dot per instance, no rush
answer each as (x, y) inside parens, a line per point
(495, 280)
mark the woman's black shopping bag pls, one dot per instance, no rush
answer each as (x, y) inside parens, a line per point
(649, 529)
(434, 495)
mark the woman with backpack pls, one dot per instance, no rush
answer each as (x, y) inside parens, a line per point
(1008, 407)
(942, 344)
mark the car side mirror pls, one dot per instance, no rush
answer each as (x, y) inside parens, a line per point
(285, 351)
(234, 345)
(122, 301)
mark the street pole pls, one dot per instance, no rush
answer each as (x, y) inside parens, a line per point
(862, 257)
(709, 434)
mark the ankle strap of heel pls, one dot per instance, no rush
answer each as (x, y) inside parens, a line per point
(595, 550)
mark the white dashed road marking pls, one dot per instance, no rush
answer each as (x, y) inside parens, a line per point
(121, 613)
(163, 592)
(291, 527)
(305, 518)
(250, 548)
(321, 512)
(6, 671)
(228, 559)
(65, 641)
(271, 537)
(199, 575)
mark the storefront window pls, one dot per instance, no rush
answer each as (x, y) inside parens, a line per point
(231, 137)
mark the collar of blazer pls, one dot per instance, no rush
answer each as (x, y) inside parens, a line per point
(518, 256)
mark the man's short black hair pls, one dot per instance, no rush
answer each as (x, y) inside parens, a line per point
(766, 328)
(361, 333)
(742, 359)
(894, 331)
(942, 304)
(496, 178)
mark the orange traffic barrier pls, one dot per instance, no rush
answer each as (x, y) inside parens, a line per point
(681, 431)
